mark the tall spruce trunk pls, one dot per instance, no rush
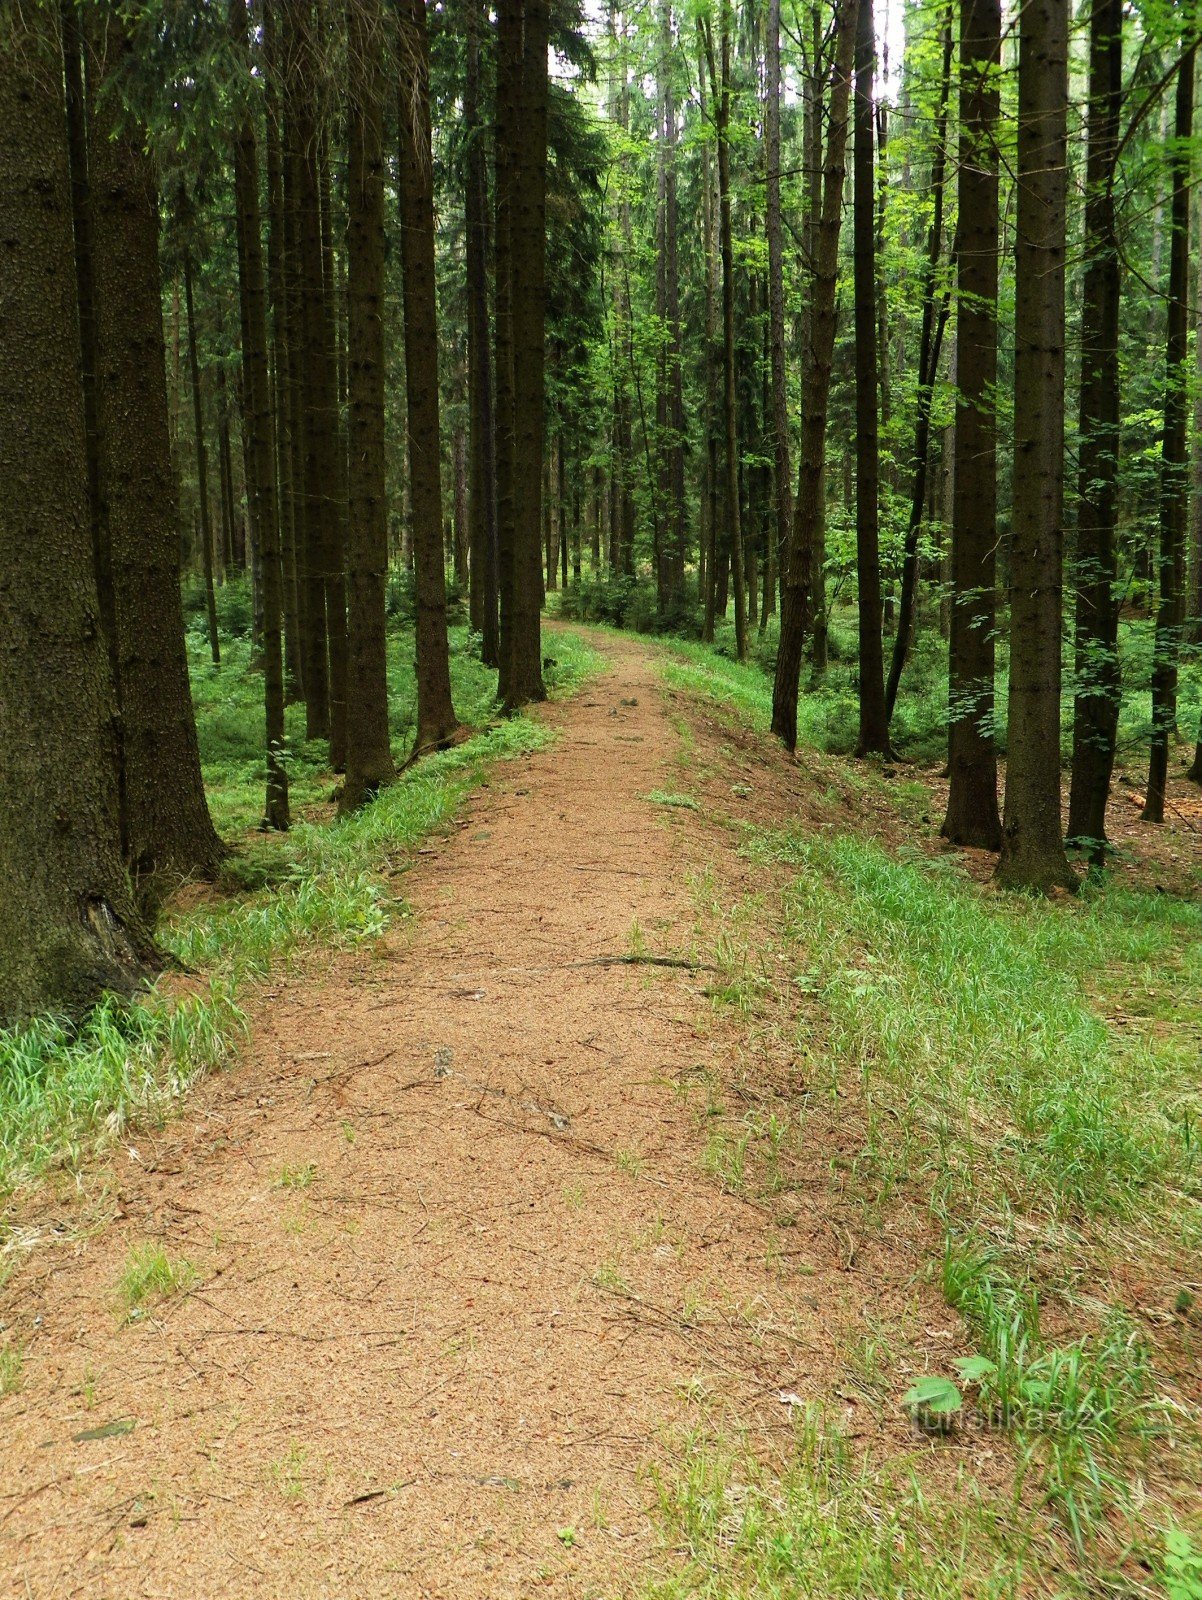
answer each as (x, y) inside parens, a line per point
(313, 398)
(260, 453)
(278, 278)
(874, 725)
(1174, 464)
(935, 308)
(202, 466)
(336, 497)
(69, 928)
(1032, 841)
(523, 41)
(720, 88)
(972, 808)
(782, 488)
(1098, 683)
(436, 721)
(797, 576)
(369, 764)
(166, 828)
(482, 564)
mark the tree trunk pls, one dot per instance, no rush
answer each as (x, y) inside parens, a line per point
(1096, 704)
(1032, 841)
(934, 320)
(721, 90)
(283, 351)
(369, 765)
(797, 576)
(1174, 469)
(436, 721)
(202, 467)
(68, 924)
(483, 569)
(782, 498)
(166, 828)
(313, 397)
(874, 724)
(972, 807)
(523, 59)
(336, 492)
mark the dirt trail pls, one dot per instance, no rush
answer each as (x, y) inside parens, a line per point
(438, 1367)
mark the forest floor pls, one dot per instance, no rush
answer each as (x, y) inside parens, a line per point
(509, 1237)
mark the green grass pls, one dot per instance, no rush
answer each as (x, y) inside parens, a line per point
(151, 1275)
(12, 1363)
(1027, 1072)
(327, 883)
(821, 1524)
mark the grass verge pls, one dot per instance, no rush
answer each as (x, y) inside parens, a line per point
(1023, 1074)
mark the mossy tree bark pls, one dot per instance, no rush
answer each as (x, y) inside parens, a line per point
(69, 927)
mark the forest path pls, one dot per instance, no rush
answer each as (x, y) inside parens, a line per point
(435, 1361)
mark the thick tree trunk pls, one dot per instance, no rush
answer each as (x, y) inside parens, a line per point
(874, 724)
(1096, 704)
(436, 722)
(1032, 841)
(972, 808)
(369, 763)
(68, 924)
(523, 51)
(797, 576)
(1174, 469)
(166, 828)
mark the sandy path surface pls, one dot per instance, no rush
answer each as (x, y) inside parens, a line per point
(440, 1366)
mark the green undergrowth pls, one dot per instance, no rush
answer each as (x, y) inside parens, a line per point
(1026, 1072)
(325, 883)
(823, 1524)
(828, 710)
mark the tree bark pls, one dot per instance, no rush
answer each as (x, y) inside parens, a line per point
(1032, 841)
(69, 928)
(369, 765)
(202, 467)
(1096, 703)
(482, 567)
(1174, 467)
(874, 724)
(721, 90)
(260, 454)
(782, 496)
(935, 309)
(972, 807)
(523, 26)
(436, 721)
(797, 577)
(166, 828)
